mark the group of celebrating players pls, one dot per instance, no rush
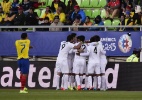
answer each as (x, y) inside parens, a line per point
(71, 64)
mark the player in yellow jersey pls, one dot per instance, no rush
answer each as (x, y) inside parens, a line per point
(22, 47)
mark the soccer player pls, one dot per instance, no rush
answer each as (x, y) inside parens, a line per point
(93, 51)
(103, 63)
(79, 63)
(70, 63)
(62, 62)
(22, 47)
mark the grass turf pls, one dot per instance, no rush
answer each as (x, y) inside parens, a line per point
(34, 94)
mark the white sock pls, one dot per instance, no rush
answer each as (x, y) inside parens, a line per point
(99, 82)
(86, 82)
(103, 82)
(95, 83)
(77, 78)
(72, 80)
(57, 81)
(66, 81)
(81, 79)
(90, 81)
(62, 82)
(69, 81)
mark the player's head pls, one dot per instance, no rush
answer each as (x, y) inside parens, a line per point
(97, 38)
(82, 38)
(78, 38)
(92, 39)
(24, 36)
(74, 36)
(69, 38)
(136, 52)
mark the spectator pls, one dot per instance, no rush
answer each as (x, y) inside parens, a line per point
(68, 22)
(15, 6)
(46, 23)
(2, 16)
(97, 22)
(77, 22)
(32, 17)
(128, 22)
(26, 4)
(61, 14)
(48, 14)
(9, 19)
(78, 12)
(56, 4)
(122, 22)
(6, 5)
(55, 23)
(125, 3)
(112, 8)
(70, 7)
(87, 22)
(19, 18)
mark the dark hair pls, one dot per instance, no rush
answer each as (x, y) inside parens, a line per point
(69, 38)
(92, 39)
(78, 37)
(46, 18)
(32, 8)
(73, 35)
(24, 35)
(88, 17)
(82, 38)
(97, 38)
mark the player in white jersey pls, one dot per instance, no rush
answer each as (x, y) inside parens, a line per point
(94, 51)
(79, 63)
(62, 62)
(103, 61)
(70, 63)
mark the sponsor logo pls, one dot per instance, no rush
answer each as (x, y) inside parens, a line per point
(125, 43)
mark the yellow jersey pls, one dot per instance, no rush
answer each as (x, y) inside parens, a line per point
(22, 47)
(132, 58)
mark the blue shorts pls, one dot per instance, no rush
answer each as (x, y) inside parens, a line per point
(23, 65)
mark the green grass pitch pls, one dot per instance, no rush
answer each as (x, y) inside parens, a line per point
(35, 94)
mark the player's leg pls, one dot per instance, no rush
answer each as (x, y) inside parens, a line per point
(58, 75)
(95, 82)
(65, 71)
(103, 79)
(76, 72)
(90, 70)
(97, 71)
(86, 78)
(24, 71)
(62, 83)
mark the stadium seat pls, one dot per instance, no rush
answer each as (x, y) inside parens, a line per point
(49, 2)
(85, 3)
(38, 12)
(102, 3)
(88, 12)
(46, 3)
(103, 13)
(94, 3)
(95, 13)
(79, 2)
(115, 22)
(42, 12)
(108, 23)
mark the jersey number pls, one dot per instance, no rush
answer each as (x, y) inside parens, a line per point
(23, 47)
(83, 47)
(63, 46)
(95, 50)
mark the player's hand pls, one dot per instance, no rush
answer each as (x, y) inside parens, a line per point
(31, 47)
(80, 50)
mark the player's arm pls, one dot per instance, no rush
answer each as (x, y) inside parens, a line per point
(78, 46)
(86, 53)
(103, 51)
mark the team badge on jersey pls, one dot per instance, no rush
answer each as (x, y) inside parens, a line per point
(125, 43)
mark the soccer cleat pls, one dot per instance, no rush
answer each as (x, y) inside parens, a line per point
(95, 89)
(70, 88)
(62, 88)
(23, 91)
(85, 89)
(90, 88)
(78, 87)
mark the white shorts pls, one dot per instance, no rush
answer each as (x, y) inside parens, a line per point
(79, 66)
(103, 66)
(93, 68)
(70, 64)
(62, 66)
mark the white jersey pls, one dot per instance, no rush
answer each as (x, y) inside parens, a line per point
(102, 56)
(84, 48)
(94, 51)
(65, 47)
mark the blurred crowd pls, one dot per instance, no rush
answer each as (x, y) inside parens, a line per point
(17, 13)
